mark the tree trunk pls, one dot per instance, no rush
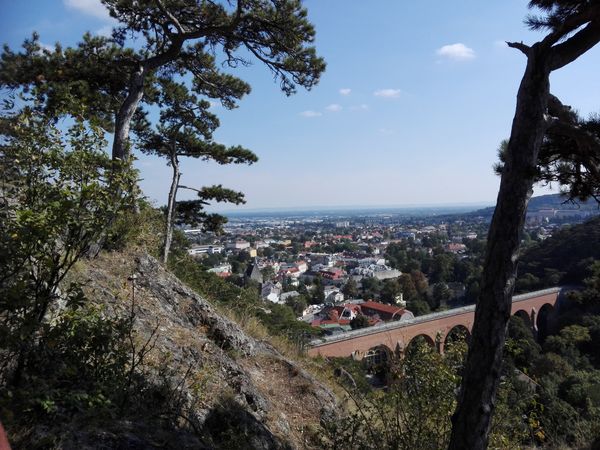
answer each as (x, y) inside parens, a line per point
(120, 148)
(472, 419)
(171, 208)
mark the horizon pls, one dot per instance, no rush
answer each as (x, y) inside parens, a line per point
(308, 208)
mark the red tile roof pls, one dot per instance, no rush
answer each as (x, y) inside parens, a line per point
(382, 307)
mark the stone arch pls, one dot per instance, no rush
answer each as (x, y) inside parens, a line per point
(378, 356)
(525, 316)
(420, 338)
(544, 316)
(457, 332)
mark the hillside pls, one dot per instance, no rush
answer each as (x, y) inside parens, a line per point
(562, 257)
(550, 201)
(232, 390)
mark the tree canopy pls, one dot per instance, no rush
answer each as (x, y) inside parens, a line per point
(173, 38)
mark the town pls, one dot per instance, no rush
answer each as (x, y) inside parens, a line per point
(343, 271)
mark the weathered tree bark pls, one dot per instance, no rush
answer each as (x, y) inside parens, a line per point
(171, 207)
(120, 148)
(472, 419)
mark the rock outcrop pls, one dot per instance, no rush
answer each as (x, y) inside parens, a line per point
(236, 391)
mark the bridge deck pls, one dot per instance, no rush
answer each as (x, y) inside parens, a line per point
(417, 320)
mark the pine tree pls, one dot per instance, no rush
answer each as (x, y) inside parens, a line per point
(185, 129)
(573, 28)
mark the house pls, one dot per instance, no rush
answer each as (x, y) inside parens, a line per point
(223, 274)
(238, 245)
(205, 249)
(387, 274)
(332, 273)
(333, 294)
(309, 244)
(385, 312)
(302, 266)
(290, 272)
(379, 271)
(260, 244)
(221, 269)
(271, 291)
(285, 296)
(453, 247)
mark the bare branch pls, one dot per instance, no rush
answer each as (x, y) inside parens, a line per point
(520, 46)
(170, 16)
(181, 186)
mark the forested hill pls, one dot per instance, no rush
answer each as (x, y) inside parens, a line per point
(557, 201)
(551, 201)
(562, 258)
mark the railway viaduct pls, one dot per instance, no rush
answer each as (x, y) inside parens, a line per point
(534, 307)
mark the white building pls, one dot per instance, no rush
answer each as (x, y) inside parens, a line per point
(205, 250)
(238, 245)
(271, 291)
(221, 269)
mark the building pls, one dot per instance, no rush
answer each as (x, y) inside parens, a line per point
(456, 248)
(221, 269)
(332, 273)
(340, 316)
(253, 273)
(285, 296)
(302, 266)
(385, 312)
(271, 291)
(333, 294)
(238, 245)
(205, 250)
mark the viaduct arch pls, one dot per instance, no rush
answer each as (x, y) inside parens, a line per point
(436, 329)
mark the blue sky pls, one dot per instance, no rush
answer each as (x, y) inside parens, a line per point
(411, 109)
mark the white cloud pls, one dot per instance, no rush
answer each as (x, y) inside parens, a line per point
(456, 52)
(334, 107)
(345, 91)
(311, 113)
(387, 93)
(105, 31)
(47, 47)
(90, 7)
(363, 107)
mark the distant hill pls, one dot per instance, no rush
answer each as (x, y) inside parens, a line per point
(562, 258)
(550, 201)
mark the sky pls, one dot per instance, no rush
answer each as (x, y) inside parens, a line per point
(411, 109)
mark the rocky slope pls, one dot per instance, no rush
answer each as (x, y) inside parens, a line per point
(236, 391)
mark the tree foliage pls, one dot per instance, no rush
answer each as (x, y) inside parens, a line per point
(174, 39)
(58, 198)
(185, 129)
(414, 411)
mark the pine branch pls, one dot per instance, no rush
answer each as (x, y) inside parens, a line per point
(525, 49)
(575, 46)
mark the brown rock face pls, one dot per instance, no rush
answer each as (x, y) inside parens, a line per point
(236, 391)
